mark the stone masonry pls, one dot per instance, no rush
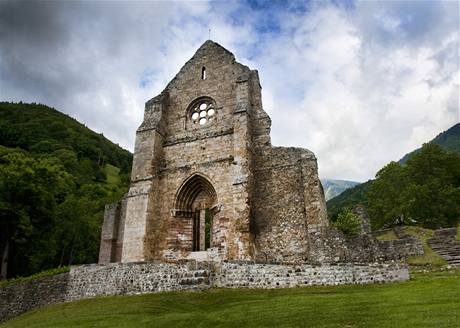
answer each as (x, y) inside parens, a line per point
(206, 179)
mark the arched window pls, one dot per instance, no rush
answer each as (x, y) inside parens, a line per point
(202, 111)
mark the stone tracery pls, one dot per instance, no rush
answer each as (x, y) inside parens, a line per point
(202, 111)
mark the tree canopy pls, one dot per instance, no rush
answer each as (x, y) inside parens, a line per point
(425, 191)
(55, 178)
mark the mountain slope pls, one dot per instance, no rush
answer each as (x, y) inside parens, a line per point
(348, 198)
(333, 187)
(40, 129)
(448, 140)
(56, 176)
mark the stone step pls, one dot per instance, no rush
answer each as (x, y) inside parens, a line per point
(445, 248)
(443, 251)
(449, 241)
(450, 258)
(445, 244)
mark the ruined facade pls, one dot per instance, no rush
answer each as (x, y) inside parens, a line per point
(206, 181)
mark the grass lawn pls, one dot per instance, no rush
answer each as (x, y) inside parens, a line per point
(428, 300)
(458, 233)
(388, 235)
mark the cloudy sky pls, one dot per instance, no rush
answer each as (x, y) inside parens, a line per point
(358, 83)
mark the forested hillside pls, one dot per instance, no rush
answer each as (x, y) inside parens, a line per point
(423, 188)
(56, 175)
(348, 198)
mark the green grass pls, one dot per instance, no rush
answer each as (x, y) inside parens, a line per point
(458, 233)
(112, 174)
(427, 300)
(429, 257)
(388, 235)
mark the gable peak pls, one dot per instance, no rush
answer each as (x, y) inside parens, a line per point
(211, 46)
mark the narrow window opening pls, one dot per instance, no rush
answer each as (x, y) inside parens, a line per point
(196, 231)
(203, 73)
(207, 229)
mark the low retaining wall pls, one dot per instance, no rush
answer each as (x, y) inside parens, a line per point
(87, 281)
(28, 295)
(404, 247)
(236, 275)
(92, 280)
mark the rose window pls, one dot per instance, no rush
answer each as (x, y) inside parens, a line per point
(202, 112)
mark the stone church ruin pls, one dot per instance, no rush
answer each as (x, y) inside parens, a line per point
(206, 178)
(207, 184)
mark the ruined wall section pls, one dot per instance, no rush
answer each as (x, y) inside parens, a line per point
(140, 202)
(260, 121)
(332, 246)
(289, 202)
(109, 233)
(313, 193)
(279, 212)
(112, 232)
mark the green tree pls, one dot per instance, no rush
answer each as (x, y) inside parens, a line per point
(41, 228)
(425, 191)
(30, 190)
(385, 205)
(432, 195)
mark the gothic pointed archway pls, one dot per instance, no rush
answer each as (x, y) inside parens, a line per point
(195, 200)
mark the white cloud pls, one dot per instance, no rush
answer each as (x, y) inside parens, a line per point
(353, 100)
(359, 87)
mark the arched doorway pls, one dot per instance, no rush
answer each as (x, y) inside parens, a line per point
(196, 200)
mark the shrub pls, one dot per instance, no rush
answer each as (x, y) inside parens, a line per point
(348, 222)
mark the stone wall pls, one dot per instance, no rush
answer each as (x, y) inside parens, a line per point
(279, 223)
(244, 275)
(331, 246)
(87, 281)
(92, 280)
(28, 295)
(404, 247)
